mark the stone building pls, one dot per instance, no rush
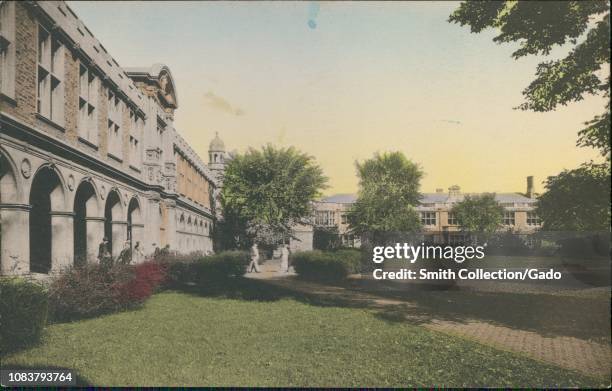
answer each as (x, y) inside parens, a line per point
(435, 209)
(88, 149)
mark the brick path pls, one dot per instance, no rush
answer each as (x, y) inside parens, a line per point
(585, 356)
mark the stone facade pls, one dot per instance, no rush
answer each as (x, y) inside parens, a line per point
(88, 149)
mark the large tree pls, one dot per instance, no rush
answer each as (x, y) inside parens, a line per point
(577, 200)
(538, 26)
(388, 193)
(584, 27)
(266, 192)
(479, 215)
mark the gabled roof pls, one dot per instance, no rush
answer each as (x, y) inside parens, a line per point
(340, 198)
(155, 73)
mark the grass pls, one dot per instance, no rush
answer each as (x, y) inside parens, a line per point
(179, 339)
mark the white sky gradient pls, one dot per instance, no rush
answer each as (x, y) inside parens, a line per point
(343, 80)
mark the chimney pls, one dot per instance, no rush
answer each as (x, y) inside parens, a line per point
(530, 192)
(454, 190)
(439, 190)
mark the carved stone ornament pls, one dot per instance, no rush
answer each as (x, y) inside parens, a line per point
(71, 182)
(102, 191)
(26, 168)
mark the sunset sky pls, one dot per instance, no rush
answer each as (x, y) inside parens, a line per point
(341, 81)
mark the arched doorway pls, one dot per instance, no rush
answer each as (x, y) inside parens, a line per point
(134, 223)
(85, 205)
(112, 216)
(46, 196)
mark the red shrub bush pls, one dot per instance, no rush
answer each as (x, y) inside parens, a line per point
(92, 290)
(147, 277)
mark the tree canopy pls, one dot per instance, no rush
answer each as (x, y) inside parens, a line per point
(479, 213)
(577, 200)
(388, 192)
(538, 26)
(265, 192)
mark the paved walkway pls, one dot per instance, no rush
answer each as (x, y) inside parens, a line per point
(573, 353)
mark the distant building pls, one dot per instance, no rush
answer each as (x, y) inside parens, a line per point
(331, 212)
(440, 225)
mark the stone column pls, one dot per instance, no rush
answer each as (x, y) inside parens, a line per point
(15, 245)
(152, 238)
(95, 234)
(119, 229)
(171, 234)
(62, 240)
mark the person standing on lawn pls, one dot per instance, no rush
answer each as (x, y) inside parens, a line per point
(254, 259)
(284, 266)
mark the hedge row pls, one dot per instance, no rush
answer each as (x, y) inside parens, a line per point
(91, 290)
(326, 265)
(183, 270)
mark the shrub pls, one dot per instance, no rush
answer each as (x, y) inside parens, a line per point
(326, 266)
(222, 265)
(326, 238)
(86, 291)
(23, 310)
(147, 277)
(179, 269)
(92, 290)
(353, 257)
(507, 243)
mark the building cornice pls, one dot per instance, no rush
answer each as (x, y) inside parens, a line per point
(17, 130)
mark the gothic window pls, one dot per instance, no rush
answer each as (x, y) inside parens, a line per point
(50, 97)
(7, 48)
(115, 113)
(88, 102)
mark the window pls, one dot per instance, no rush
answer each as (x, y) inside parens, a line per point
(7, 48)
(509, 218)
(325, 218)
(50, 77)
(88, 103)
(533, 219)
(428, 218)
(136, 129)
(115, 113)
(452, 218)
(344, 218)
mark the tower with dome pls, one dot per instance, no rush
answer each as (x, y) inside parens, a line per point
(217, 157)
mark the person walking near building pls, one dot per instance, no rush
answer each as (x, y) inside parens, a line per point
(284, 265)
(137, 254)
(104, 255)
(125, 256)
(254, 259)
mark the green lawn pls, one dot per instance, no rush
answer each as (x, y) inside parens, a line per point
(179, 339)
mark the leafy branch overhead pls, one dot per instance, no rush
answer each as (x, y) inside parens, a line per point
(538, 26)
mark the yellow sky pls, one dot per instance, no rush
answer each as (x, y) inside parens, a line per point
(341, 81)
